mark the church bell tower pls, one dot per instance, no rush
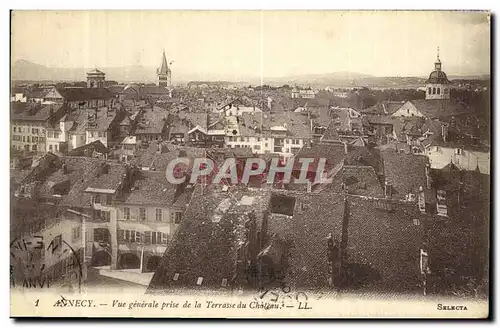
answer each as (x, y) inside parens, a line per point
(164, 73)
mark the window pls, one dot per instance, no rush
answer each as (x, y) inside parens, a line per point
(438, 91)
(20, 130)
(50, 134)
(41, 139)
(434, 90)
(158, 215)
(56, 244)
(82, 138)
(27, 138)
(50, 147)
(34, 139)
(101, 134)
(34, 147)
(157, 237)
(126, 213)
(55, 147)
(142, 214)
(258, 139)
(256, 147)
(458, 151)
(97, 199)
(76, 233)
(265, 145)
(177, 217)
(14, 129)
(56, 134)
(446, 90)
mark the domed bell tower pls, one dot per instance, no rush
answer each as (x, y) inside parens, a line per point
(437, 85)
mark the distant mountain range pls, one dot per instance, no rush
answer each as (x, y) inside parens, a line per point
(23, 70)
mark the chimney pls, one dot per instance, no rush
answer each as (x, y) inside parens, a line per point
(444, 132)
(309, 186)
(388, 190)
(104, 168)
(64, 169)
(346, 148)
(311, 123)
(428, 176)
(421, 199)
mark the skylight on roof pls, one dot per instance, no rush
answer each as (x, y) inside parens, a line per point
(199, 281)
(247, 200)
(176, 277)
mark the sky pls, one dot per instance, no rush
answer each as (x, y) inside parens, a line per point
(255, 43)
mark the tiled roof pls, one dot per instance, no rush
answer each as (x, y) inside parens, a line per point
(406, 173)
(441, 108)
(331, 134)
(383, 246)
(362, 180)
(109, 180)
(152, 121)
(152, 188)
(207, 241)
(33, 112)
(314, 217)
(333, 153)
(383, 108)
(85, 170)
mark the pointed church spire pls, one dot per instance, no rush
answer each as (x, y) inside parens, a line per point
(164, 65)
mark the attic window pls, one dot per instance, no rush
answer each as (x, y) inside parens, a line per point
(225, 188)
(176, 277)
(224, 282)
(416, 222)
(281, 204)
(199, 281)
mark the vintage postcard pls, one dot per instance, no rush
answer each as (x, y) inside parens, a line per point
(250, 164)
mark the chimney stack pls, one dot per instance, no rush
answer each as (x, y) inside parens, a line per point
(388, 190)
(428, 176)
(105, 168)
(444, 132)
(346, 148)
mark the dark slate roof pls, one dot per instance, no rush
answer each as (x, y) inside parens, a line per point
(81, 94)
(202, 247)
(95, 146)
(154, 90)
(438, 76)
(406, 173)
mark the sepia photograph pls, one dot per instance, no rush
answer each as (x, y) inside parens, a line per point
(250, 163)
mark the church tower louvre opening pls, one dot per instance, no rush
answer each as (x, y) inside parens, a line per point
(437, 85)
(164, 73)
